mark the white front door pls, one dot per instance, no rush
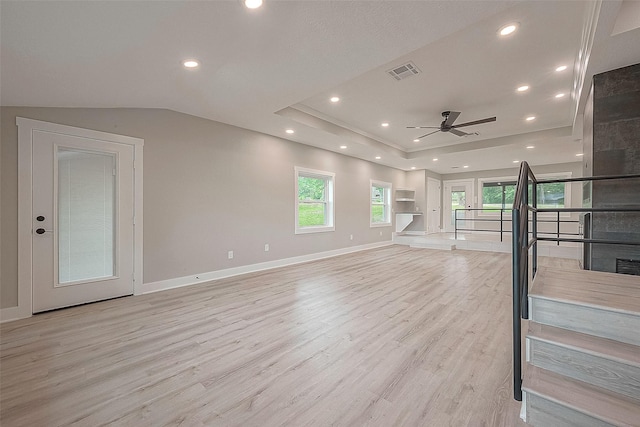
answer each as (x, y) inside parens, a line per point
(458, 196)
(82, 220)
(434, 195)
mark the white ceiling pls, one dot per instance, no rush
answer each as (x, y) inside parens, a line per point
(276, 68)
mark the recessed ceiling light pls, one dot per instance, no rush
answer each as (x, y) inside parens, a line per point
(579, 154)
(435, 159)
(530, 147)
(416, 140)
(384, 125)
(530, 118)
(334, 99)
(190, 63)
(561, 68)
(289, 131)
(253, 4)
(508, 29)
(413, 167)
(560, 95)
(516, 161)
(465, 166)
(523, 88)
(343, 147)
(378, 157)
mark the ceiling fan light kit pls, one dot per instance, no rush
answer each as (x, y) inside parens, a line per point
(449, 117)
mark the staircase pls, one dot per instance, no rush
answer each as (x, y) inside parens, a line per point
(582, 350)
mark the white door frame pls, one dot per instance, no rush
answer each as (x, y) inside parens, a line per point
(446, 197)
(26, 127)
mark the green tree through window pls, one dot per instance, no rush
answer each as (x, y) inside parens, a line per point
(311, 198)
(500, 195)
(380, 203)
(314, 207)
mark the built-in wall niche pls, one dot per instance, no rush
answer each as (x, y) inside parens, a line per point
(405, 195)
(406, 214)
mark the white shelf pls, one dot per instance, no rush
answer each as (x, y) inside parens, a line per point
(405, 199)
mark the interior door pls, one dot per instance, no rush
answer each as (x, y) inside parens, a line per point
(434, 195)
(458, 195)
(83, 231)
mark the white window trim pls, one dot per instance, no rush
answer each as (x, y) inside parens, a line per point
(330, 195)
(388, 191)
(540, 177)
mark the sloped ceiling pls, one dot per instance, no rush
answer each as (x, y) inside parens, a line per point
(275, 68)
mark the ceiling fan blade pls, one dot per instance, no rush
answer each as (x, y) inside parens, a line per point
(423, 127)
(458, 132)
(453, 115)
(477, 122)
(430, 133)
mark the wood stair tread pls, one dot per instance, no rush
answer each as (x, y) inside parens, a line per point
(618, 292)
(594, 401)
(612, 349)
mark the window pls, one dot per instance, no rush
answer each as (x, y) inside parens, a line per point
(499, 193)
(314, 203)
(551, 195)
(380, 212)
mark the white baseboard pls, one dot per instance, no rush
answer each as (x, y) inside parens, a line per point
(12, 313)
(193, 279)
(15, 313)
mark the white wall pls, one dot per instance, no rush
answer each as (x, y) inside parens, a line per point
(211, 187)
(208, 188)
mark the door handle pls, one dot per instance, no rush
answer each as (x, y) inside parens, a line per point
(42, 231)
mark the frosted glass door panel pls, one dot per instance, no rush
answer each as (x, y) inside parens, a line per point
(458, 201)
(86, 219)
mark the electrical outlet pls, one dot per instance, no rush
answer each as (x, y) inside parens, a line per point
(266, 247)
(381, 233)
(230, 254)
(351, 237)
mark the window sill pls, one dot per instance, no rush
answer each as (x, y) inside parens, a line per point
(380, 224)
(308, 230)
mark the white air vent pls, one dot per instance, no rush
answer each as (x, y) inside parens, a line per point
(402, 72)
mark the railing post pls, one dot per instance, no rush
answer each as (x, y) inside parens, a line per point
(455, 224)
(558, 227)
(517, 325)
(534, 231)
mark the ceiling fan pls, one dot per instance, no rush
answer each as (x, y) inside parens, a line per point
(448, 126)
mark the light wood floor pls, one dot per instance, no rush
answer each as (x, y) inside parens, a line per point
(387, 337)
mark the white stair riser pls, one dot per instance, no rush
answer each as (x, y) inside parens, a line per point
(542, 412)
(604, 323)
(598, 370)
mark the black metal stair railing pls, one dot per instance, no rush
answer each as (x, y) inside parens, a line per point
(525, 238)
(502, 220)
